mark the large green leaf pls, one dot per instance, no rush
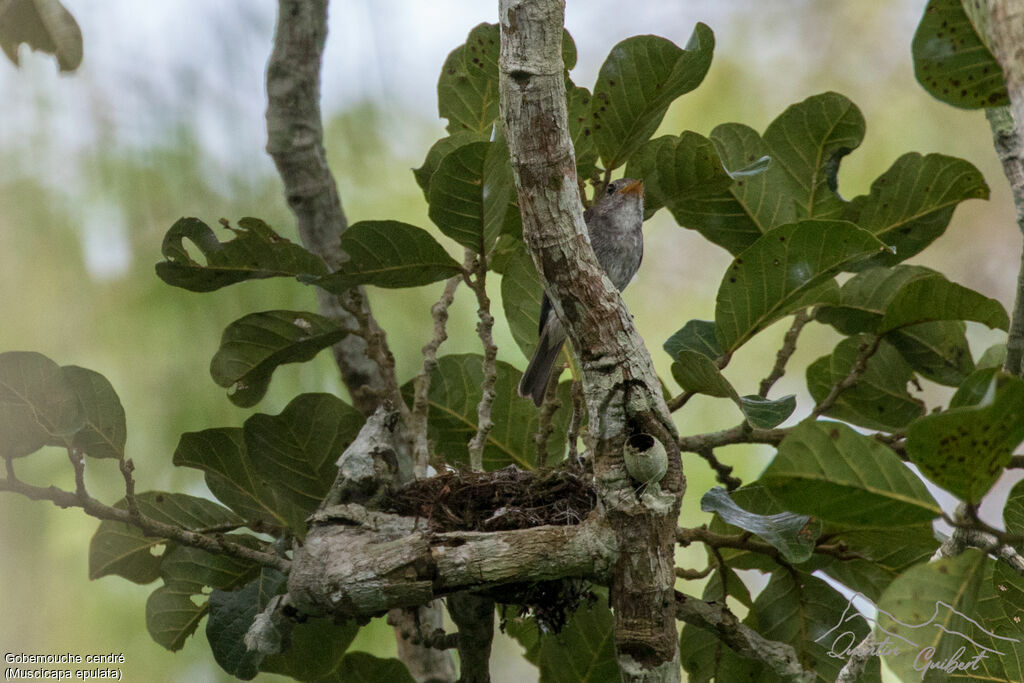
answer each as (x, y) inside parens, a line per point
(807, 142)
(455, 390)
(185, 564)
(470, 193)
(936, 298)
(173, 613)
(937, 350)
(676, 169)
(879, 399)
(230, 473)
(578, 104)
(231, 615)
(104, 433)
(439, 150)
(389, 254)
(38, 405)
(951, 60)
(787, 269)
(315, 653)
(253, 346)
(911, 204)
(295, 453)
(805, 612)
(935, 609)
(695, 335)
(638, 81)
(521, 293)
(121, 549)
(792, 534)
(828, 470)
(1013, 511)
(362, 667)
(582, 651)
(864, 298)
(964, 450)
(256, 252)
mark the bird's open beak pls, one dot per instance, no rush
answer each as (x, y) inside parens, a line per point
(636, 187)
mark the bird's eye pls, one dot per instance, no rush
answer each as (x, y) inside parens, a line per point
(611, 188)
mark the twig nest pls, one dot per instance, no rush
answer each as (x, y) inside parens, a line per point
(646, 458)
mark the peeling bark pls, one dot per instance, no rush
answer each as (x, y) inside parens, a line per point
(621, 390)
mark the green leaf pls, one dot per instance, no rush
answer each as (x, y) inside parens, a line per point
(800, 609)
(439, 150)
(521, 293)
(993, 357)
(172, 615)
(583, 651)
(295, 453)
(121, 549)
(696, 335)
(793, 535)
(751, 205)
(362, 667)
(979, 386)
(696, 372)
(879, 399)
(937, 350)
(887, 551)
(104, 433)
(911, 204)
(453, 397)
(316, 651)
(787, 269)
(230, 473)
(951, 60)
(932, 610)
(184, 564)
(936, 298)
(44, 25)
(864, 298)
(676, 169)
(466, 203)
(38, 406)
(964, 450)
(578, 105)
(807, 141)
(231, 615)
(828, 470)
(253, 346)
(764, 413)
(388, 254)
(1013, 511)
(756, 499)
(638, 81)
(255, 253)
(467, 91)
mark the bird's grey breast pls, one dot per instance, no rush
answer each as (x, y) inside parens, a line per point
(618, 243)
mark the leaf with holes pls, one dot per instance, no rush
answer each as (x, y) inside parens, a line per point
(295, 453)
(255, 253)
(677, 168)
(828, 470)
(38, 406)
(173, 614)
(911, 204)
(793, 535)
(454, 395)
(879, 399)
(787, 269)
(638, 81)
(964, 450)
(253, 346)
(231, 615)
(121, 549)
(104, 433)
(951, 60)
(388, 254)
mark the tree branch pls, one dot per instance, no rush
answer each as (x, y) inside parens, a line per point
(860, 365)
(745, 641)
(621, 389)
(785, 352)
(490, 372)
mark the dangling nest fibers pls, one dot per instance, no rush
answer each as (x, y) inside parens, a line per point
(508, 498)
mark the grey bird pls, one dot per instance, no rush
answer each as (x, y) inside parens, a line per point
(615, 224)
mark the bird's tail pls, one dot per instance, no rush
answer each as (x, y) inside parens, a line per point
(538, 373)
